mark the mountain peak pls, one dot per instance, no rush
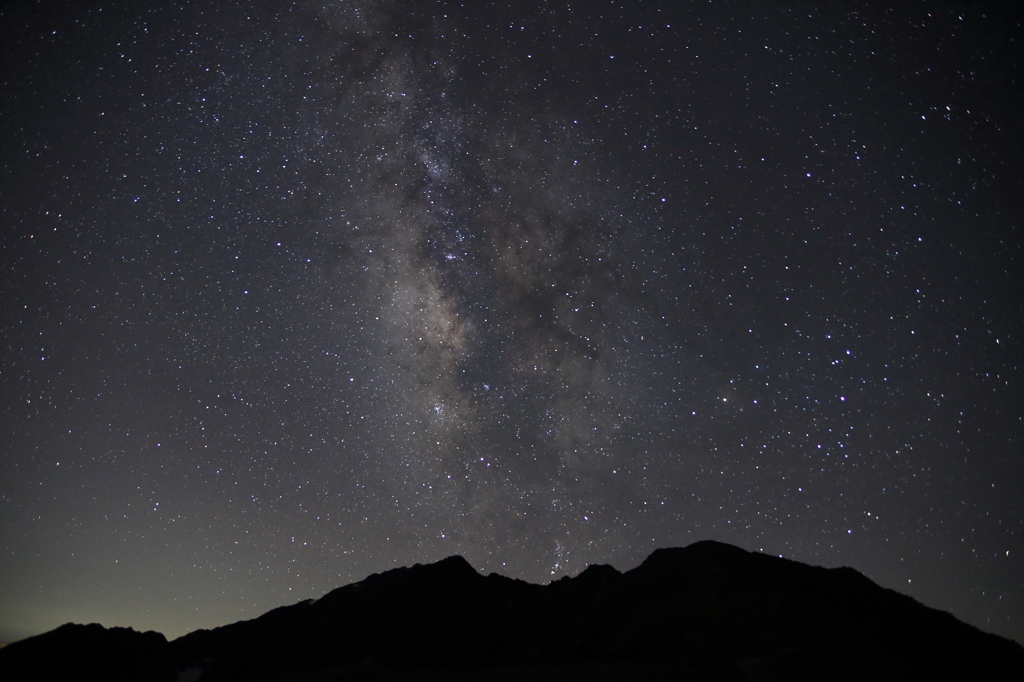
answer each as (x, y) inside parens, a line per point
(454, 568)
(455, 565)
(702, 551)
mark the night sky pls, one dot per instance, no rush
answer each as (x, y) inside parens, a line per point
(295, 292)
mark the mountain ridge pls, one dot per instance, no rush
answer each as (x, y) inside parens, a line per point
(708, 611)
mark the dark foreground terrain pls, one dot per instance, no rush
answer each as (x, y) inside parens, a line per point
(705, 612)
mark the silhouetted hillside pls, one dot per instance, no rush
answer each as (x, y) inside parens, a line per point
(709, 611)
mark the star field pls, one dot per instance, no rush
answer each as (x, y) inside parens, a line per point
(297, 292)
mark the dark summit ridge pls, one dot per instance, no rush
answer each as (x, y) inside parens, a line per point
(709, 611)
(90, 652)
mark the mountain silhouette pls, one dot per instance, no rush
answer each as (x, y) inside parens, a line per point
(706, 612)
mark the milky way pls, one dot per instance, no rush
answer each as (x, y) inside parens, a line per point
(509, 320)
(297, 292)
